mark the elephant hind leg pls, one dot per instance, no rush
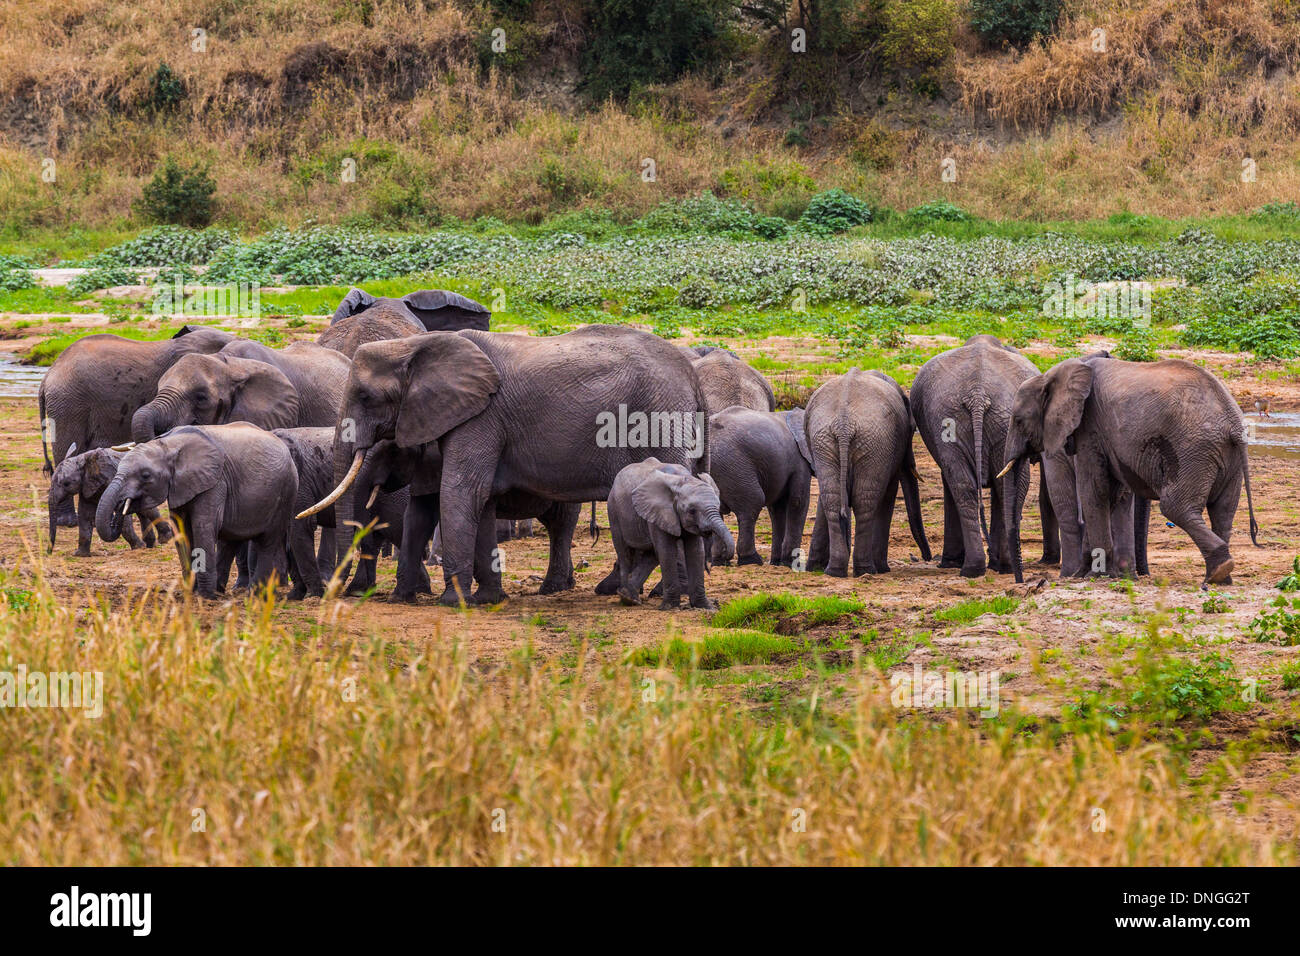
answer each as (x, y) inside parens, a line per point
(954, 545)
(1218, 559)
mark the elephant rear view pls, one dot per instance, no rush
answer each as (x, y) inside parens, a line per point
(728, 380)
(362, 318)
(961, 404)
(859, 431)
(224, 484)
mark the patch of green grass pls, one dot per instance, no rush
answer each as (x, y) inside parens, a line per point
(763, 611)
(715, 651)
(967, 611)
(41, 299)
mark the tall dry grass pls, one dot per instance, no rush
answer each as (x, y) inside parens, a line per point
(305, 747)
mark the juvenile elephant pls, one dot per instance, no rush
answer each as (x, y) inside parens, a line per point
(224, 484)
(362, 318)
(91, 391)
(961, 404)
(1167, 431)
(553, 418)
(859, 431)
(658, 512)
(728, 380)
(222, 388)
(85, 477)
(761, 460)
(312, 450)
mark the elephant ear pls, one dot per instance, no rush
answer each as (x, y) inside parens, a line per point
(357, 300)
(1071, 384)
(653, 500)
(195, 464)
(794, 422)
(449, 380)
(97, 469)
(705, 477)
(439, 310)
(263, 396)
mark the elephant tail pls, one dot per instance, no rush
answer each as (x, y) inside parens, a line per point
(912, 499)
(45, 445)
(1250, 503)
(595, 528)
(977, 410)
(843, 436)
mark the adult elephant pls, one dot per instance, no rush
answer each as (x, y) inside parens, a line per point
(1166, 431)
(961, 404)
(555, 418)
(295, 387)
(362, 318)
(93, 389)
(728, 380)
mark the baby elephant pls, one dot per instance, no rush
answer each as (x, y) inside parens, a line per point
(85, 476)
(659, 514)
(224, 484)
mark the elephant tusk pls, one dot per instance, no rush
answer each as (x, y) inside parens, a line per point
(337, 493)
(126, 506)
(374, 493)
(1011, 464)
(127, 447)
(72, 450)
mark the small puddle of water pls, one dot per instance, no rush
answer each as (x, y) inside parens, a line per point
(20, 381)
(1277, 436)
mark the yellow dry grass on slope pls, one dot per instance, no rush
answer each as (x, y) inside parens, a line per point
(306, 748)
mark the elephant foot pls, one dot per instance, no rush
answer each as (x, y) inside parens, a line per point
(673, 603)
(1001, 567)
(837, 572)
(451, 598)
(82, 552)
(704, 604)
(627, 598)
(555, 587)
(484, 596)
(742, 560)
(297, 594)
(1220, 573)
(973, 570)
(658, 589)
(608, 586)
(402, 597)
(1050, 559)
(952, 562)
(870, 569)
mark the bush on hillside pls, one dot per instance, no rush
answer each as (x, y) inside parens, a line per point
(1014, 22)
(834, 211)
(179, 195)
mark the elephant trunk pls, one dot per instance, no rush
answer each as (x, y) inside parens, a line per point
(150, 421)
(108, 516)
(1011, 515)
(718, 529)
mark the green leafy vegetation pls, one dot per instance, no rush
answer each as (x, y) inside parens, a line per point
(764, 611)
(178, 194)
(967, 611)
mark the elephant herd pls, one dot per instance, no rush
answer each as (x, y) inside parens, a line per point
(408, 422)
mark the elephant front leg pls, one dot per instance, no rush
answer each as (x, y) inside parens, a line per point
(1051, 528)
(693, 551)
(1121, 534)
(1098, 546)
(306, 571)
(205, 556)
(1058, 473)
(746, 549)
(560, 521)
(667, 548)
(86, 525)
(418, 526)
(459, 525)
(271, 564)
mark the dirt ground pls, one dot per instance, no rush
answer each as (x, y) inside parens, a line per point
(1056, 645)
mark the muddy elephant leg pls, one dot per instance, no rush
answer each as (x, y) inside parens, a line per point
(819, 545)
(560, 521)
(746, 550)
(1121, 533)
(954, 545)
(668, 550)
(86, 525)
(418, 525)
(1141, 530)
(1051, 529)
(488, 559)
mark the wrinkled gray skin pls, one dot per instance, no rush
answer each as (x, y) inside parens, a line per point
(94, 387)
(419, 471)
(859, 430)
(513, 414)
(223, 484)
(300, 386)
(761, 460)
(728, 380)
(1167, 431)
(362, 318)
(1128, 523)
(312, 450)
(961, 404)
(659, 514)
(85, 477)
